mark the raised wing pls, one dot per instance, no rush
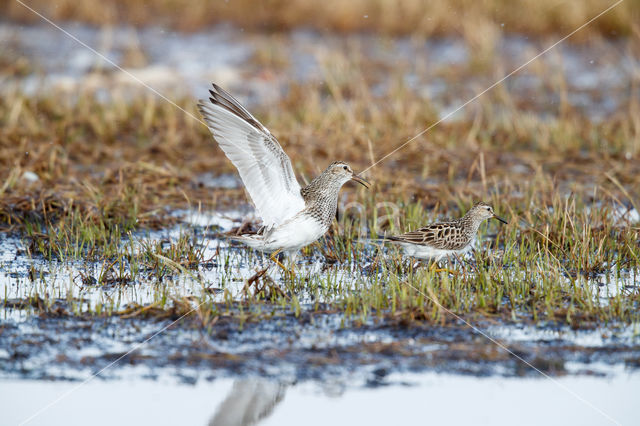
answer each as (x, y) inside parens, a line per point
(264, 167)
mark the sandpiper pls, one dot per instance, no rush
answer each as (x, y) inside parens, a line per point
(292, 217)
(442, 239)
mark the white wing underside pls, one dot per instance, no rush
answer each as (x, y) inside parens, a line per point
(263, 166)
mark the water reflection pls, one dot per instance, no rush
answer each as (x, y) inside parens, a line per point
(250, 401)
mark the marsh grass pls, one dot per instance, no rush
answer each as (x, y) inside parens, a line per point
(80, 176)
(540, 270)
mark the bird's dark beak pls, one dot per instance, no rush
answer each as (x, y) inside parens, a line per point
(361, 181)
(500, 219)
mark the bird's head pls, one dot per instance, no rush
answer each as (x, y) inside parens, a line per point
(483, 211)
(341, 172)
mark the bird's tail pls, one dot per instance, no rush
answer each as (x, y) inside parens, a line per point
(251, 240)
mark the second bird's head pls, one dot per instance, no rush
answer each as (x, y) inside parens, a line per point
(485, 211)
(341, 172)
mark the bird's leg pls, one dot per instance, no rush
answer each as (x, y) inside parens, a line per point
(434, 267)
(274, 257)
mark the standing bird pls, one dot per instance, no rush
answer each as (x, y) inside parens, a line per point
(292, 217)
(442, 239)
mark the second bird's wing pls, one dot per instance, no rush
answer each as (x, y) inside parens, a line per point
(445, 235)
(263, 165)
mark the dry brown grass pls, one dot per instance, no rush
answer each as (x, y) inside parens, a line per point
(402, 17)
(134, 160)
(123, 161)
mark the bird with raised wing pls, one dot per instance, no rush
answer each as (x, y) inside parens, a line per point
(292, 217)
(443, 239)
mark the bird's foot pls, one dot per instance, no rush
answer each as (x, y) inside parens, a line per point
(434, 268)
(274, 258)
(450, 271)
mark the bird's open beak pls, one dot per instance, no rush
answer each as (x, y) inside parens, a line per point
(500, 219)
(361, 181)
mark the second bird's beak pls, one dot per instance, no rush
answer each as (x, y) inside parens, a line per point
(500, 219)
(361, 181)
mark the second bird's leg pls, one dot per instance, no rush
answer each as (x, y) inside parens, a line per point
(434, 267)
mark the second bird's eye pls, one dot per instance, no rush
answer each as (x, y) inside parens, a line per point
(345, 167)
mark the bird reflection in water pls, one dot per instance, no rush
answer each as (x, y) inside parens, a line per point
(250, 401)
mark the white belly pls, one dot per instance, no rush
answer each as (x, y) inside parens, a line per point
(300, 231)
(426, 252)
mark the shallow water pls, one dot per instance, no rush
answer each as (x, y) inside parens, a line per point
(426, 398)
(312, 360)
(319, 347)
(221, 277)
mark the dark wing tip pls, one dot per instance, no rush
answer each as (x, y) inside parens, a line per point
(222, 92)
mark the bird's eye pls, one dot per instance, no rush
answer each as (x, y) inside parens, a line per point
(345, 167)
